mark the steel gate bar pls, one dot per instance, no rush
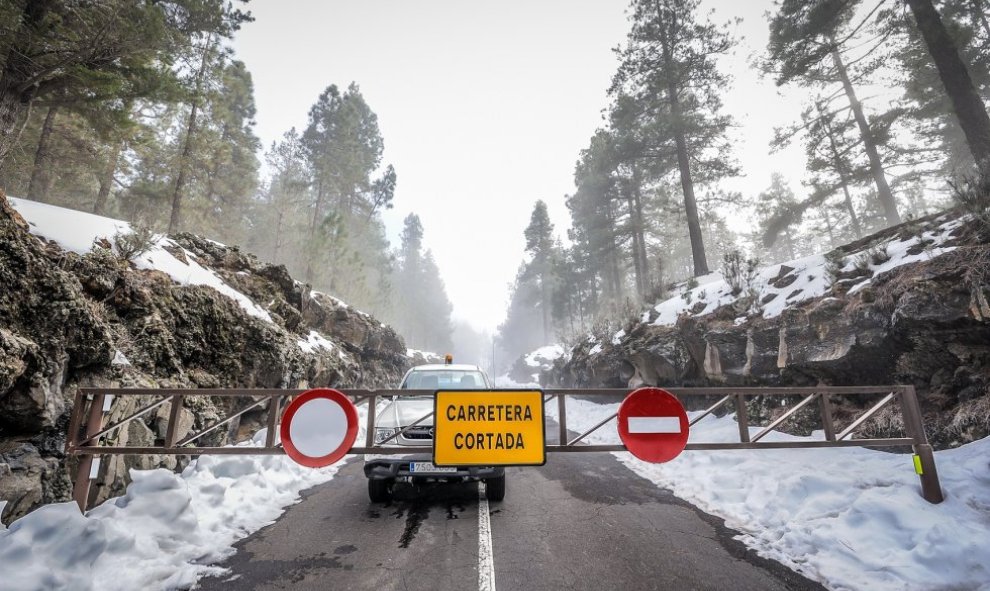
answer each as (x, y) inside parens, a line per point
(709, 410)
(863, 418)
(784, 417)
(592, 430)
(124, 421)
(88, 446)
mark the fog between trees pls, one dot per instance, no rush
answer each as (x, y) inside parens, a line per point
(140, 111)
(648, 210)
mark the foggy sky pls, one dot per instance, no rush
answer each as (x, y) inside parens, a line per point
(484, 108)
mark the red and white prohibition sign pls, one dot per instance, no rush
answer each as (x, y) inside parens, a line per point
(319, 427)
(653, 425)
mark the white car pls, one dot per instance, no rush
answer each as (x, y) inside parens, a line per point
(383, 471)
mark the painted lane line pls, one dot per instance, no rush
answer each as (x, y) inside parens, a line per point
(654, 425)
(486, 557)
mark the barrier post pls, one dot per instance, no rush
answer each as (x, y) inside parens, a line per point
(94, 424)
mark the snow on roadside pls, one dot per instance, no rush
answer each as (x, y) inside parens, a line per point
(75, 231)
(851, 518)
(810, 277)
(166, 532)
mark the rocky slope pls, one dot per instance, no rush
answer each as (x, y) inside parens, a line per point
(71, 320)
(908, 305)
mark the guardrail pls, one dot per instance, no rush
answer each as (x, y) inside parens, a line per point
(88, 437)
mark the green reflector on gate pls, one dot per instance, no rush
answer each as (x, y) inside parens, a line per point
(917, 465)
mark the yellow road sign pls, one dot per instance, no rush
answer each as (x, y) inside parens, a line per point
(489, 428)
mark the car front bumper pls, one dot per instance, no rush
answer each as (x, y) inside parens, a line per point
(398, 468)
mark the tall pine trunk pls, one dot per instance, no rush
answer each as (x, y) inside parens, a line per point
(966, 102)
(840, 167)
(106, 179)
(612, 258)
(828, 225)
(884, 194)
(638, 270)
(41, 171)
(683, 158)
(789, 241)
(178, 191)
(15, 98)
(545, 303)
(314, 226)
(640, 230)
(11, 109)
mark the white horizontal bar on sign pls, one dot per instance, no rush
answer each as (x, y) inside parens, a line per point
(654, 425)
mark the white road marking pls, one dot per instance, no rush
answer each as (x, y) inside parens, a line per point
(486, 558)
(654, 425)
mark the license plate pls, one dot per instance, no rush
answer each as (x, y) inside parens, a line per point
(423, 467)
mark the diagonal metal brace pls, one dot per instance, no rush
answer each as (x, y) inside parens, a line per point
(784, 417)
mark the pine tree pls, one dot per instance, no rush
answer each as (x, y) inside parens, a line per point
(927, 106)
(281, 212)
(966, 102)
(540, 245)
(422, 310)
(522, 330)
(807, 46)
(780, 244)
(94, 50)
(671, 54)
(344, 147)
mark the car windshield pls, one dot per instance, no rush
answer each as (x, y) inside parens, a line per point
(445, 380)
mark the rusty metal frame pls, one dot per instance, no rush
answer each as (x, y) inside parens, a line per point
(85, 437)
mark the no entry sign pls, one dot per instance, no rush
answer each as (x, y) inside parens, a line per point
(319, 427)
(653, 425)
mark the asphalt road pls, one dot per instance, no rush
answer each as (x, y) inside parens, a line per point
(583, 521)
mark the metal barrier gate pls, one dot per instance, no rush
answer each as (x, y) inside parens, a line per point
(87, 437)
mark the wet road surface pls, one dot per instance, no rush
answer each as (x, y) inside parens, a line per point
(583, 521)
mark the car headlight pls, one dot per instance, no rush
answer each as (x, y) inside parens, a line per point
(381, 434)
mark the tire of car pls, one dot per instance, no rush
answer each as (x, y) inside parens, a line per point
(380, 491)
(495, 488)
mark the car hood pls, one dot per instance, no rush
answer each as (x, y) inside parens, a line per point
(402, 412)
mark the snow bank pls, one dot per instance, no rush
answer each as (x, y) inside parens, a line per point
(811, 274)
(851, 518)
(532, 364)
(164, 533)
(317, 341)
(75, 231)
(545, 356)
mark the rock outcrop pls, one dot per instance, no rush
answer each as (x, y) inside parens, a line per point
(925, 323)
(69, 321)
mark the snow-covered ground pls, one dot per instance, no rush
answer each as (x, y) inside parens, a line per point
(536, 361)
(166, 532)
(811, 279)
(851, 518)
(76, 231)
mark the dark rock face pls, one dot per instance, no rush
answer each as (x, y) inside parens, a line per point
(926, 323)
(69, 321)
